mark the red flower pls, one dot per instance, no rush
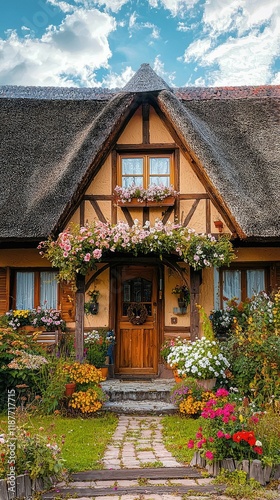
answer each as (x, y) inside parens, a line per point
(258, 450)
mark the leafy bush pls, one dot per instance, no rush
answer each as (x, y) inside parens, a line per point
(37, 455)
(98, 344)
(227, 430)
(190, 397)
(253, 348)
(18, 362)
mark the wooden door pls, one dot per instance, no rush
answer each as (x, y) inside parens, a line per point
(136, 329)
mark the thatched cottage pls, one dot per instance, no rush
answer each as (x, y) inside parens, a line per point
(64, 150)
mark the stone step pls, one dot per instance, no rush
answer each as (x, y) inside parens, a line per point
(135, 482)
(136, 491)
(134, 407)
(139, 397)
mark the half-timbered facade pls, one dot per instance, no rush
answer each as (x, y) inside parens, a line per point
(62, 153)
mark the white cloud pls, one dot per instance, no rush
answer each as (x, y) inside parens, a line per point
(240, 15)
(276, 79)
(113, 5)
(244, 60)
(65, 55)
(158, 67)
(132, 20)
(63, 6)
(197, 50)
(176, 7)
(241, 39)
(113, 80)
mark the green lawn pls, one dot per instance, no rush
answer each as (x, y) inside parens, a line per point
(86, 439)
(177, 430)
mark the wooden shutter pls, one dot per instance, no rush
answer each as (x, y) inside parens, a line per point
(4, 290)
(277, 276)
(67, 301)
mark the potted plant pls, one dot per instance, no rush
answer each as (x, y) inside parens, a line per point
(183, 295)
(98, 345)
(92, 306)
(201, 359)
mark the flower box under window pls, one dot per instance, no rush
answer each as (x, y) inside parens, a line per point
(135, 203)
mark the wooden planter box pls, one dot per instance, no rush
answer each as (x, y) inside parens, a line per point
(253, 468)
(23, 487)
(134, 203)
(46, 339)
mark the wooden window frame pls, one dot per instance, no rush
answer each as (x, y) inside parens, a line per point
(146, 155)
(243, 268)
(37, 282)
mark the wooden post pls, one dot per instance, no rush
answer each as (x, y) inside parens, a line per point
(80, 304)
(195, 282)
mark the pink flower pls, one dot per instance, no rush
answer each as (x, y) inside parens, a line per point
(211, 440)
(198, 435)
(227, 436)
(87, 257)
(255, 419)
(209, 455)
(220, 434)
(222, 393)
(97, 253)
(191, 443)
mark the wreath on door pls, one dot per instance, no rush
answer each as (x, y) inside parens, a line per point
(137, 313)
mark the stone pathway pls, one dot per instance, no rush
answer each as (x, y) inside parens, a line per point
(137, 443)
(137, 466)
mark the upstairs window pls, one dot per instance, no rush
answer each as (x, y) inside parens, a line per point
(144, 170)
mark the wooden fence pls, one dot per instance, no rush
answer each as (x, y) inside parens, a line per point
(253, 468)
(22, 487)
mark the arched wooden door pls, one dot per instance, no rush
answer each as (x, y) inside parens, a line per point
(136, 326)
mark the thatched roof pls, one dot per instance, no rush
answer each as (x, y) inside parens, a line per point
(53, 139)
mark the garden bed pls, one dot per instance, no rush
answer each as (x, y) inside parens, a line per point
(253, 468)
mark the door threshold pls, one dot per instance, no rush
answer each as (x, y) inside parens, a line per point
(135, 378)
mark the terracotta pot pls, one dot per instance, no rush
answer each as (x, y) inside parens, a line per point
(207, 384)
(70, 388)
(32, 329)
(104, 371)
(177, 378)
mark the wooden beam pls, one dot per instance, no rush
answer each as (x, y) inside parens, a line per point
(127, 215)
(98, 210)
(191, 212)
(80, 305)
(82, 213)
(146, 123)
(162, 147)
(195, 282)
(167, 214)
(208, 216)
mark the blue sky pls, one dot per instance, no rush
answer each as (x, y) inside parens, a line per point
(101, 43)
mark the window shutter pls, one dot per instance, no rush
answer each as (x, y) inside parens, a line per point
(277, 276)
(4, 290)
(67, 301)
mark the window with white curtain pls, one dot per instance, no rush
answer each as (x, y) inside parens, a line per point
(25, 290)
(48, 290)
(36, 288)
(240, 283)
(144, 170)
